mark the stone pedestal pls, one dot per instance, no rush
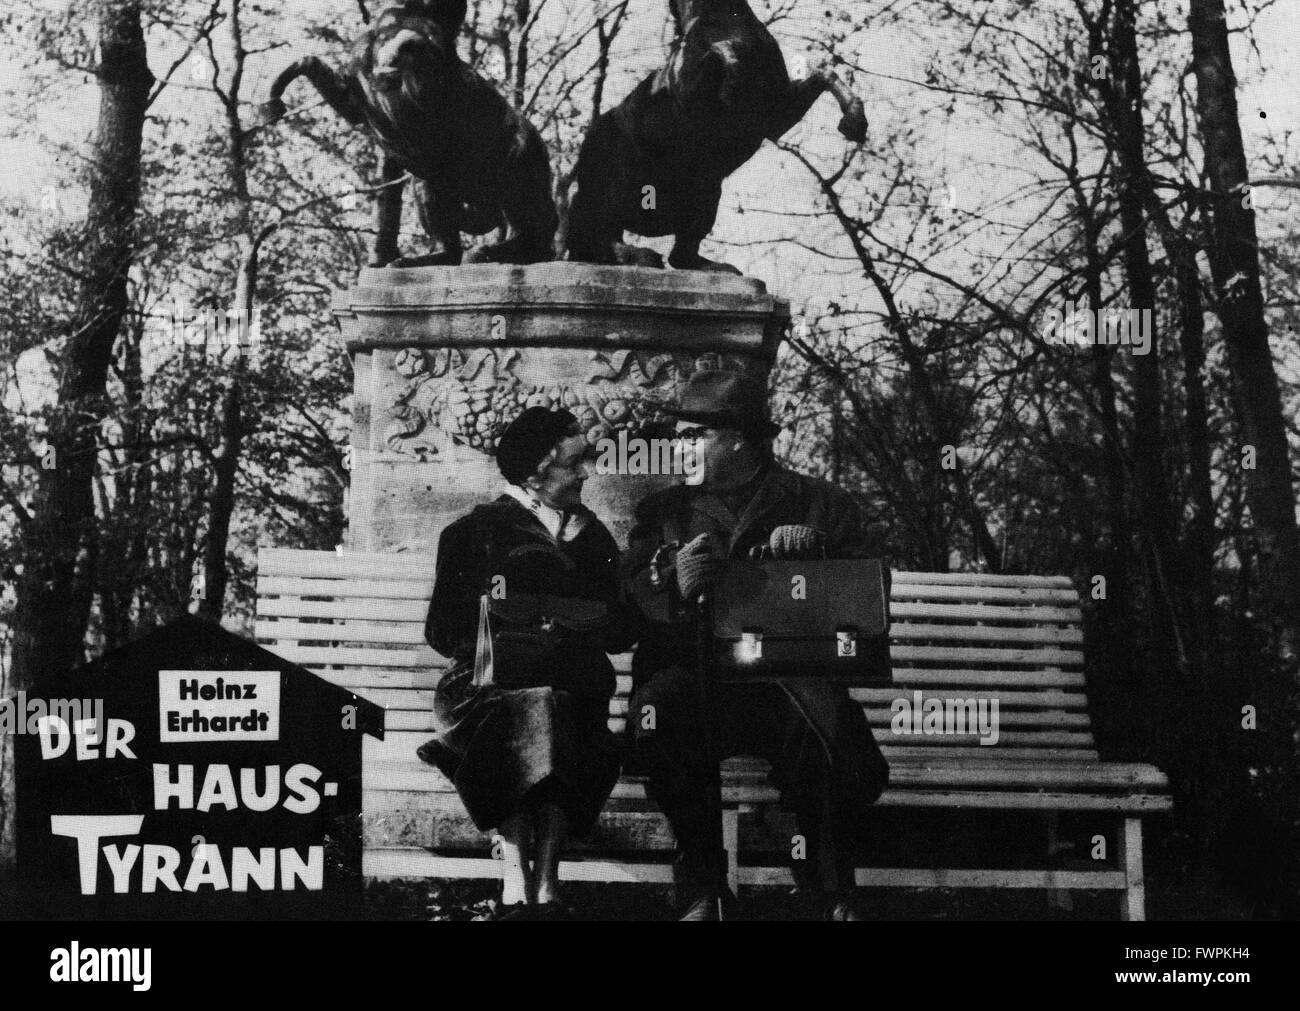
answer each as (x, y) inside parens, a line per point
(444, 357)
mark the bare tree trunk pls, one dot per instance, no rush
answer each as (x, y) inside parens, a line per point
(230, 415)
(1234, 262)
(1204, 726)
(1118, 685)
(122, 553)
(1270, 492)
(1115, 604)
(1186, 577)
(1190, 735)
(1197, 564)
(221, 502)
(1124, 110)
(52, 607)
(1198, 554)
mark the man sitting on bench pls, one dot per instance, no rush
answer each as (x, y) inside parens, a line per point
(816, 738)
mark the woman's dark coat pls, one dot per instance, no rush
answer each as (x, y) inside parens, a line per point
(542, 727)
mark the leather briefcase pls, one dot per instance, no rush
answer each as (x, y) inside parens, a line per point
(826, 619)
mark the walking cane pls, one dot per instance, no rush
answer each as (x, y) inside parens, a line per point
(707, 677)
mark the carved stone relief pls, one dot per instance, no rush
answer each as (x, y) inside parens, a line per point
(466, 396)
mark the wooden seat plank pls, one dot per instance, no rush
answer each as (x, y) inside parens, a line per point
(301, 586)
(1041, 699)
(906, 631)
(344, 656)
(1021, 596)
(978, 579)
(286, 629)
(965, 655)
(916, 776)
(980, 755)
(904, 610)
(368, 679)
(345, 564)
(917, 677)
(413, 862)
(884, 718)
(365, 608)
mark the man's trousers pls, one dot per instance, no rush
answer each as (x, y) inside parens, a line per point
(823, 757)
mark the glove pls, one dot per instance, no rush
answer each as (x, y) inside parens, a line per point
(794, 541)
(697, 566)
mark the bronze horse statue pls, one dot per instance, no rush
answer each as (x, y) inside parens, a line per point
(478, 164)
(654, 164)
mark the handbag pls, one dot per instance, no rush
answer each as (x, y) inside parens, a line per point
(530, 625)
(826, 619)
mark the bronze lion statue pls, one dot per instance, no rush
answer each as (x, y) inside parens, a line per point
(478, 164)
(654, 164)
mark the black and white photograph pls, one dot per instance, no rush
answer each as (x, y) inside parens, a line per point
(634, 461)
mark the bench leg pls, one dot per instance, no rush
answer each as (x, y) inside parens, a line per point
(1057, 898)
(1135, 892)
(731, 843)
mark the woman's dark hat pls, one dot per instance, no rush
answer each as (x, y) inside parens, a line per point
(527, 440)
(720, 399)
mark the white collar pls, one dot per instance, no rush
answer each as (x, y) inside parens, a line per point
(563, 526)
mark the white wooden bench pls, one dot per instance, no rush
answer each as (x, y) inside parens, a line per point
(357, 620)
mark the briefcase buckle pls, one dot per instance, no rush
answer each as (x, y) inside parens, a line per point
(846, 643)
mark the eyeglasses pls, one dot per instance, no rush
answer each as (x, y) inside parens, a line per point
(693, 434)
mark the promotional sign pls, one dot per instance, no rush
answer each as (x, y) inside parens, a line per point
(197, 776)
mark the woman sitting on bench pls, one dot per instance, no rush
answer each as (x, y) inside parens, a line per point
(523, 728)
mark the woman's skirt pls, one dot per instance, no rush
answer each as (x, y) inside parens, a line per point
(499, 744)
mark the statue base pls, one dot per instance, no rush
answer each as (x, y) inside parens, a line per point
(444, 357)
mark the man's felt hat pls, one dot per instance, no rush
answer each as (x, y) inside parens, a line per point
(527, 440)
(720, 399)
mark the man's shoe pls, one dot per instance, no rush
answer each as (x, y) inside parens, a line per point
(848, 908)
(700, 885)
(711, 906)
